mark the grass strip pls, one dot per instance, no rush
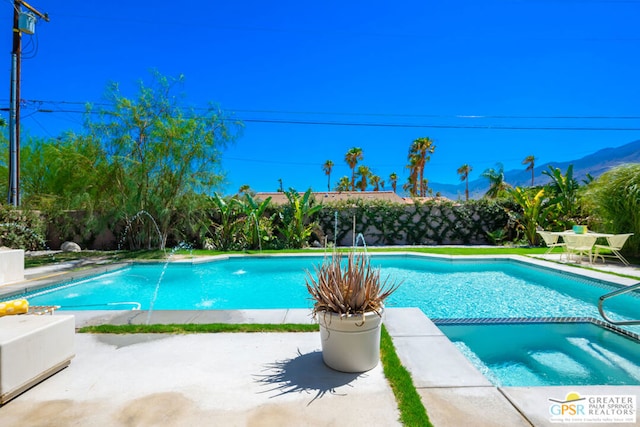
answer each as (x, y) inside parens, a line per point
(412, 412)
(194, 328)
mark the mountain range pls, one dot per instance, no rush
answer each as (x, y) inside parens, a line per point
(593, 164)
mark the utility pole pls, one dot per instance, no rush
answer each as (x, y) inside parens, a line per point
(22, 22)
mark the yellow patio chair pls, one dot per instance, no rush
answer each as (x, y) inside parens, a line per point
(551, 241)
(580, 244)
(615, 244)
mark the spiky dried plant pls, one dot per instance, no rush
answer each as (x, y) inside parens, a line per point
(352, 289)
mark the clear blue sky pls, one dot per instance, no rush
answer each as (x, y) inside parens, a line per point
(412, 68)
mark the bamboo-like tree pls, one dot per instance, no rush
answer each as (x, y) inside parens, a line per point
(530, 161)
(327, 167)
(464, 171)
(421, 149)
(353, 156)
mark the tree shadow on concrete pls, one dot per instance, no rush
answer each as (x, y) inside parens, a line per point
(304, 373)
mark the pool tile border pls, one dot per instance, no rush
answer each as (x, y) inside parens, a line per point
(530, 320)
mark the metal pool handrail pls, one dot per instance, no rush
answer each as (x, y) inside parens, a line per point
(613, 294)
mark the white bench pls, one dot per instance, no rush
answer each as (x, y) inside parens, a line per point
(32, 348)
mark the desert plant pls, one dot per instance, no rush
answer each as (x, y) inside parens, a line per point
(353, 288)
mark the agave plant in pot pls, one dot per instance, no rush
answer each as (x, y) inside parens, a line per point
(348, 304)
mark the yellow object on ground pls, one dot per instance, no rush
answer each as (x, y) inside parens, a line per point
(18, 306)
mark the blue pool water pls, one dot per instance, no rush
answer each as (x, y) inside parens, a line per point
(441, 288)
(548, 354)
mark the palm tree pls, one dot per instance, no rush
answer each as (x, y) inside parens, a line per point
(531, 162)
(376, 182)
(343, 184)
(353, 156)
(327, 168)
(422, 148)
(245, 189)
(464, 171)
(364, 173)
(393, 179)
(565, 187)
(497, 186)
(412, 182)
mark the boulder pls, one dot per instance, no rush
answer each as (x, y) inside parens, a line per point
(70, 247)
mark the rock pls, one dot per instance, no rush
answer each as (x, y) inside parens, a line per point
(70, 247)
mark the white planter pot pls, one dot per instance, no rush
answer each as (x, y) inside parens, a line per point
(350, 344)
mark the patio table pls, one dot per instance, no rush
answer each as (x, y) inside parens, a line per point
(587, 238)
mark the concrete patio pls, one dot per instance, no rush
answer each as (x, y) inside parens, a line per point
(266, 379)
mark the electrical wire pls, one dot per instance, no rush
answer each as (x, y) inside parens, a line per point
(393, 125)
(357, 114)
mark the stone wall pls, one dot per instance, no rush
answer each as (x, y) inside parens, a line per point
(429, 223)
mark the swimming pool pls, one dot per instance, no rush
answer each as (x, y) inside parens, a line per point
(549, 353)
(442, 288)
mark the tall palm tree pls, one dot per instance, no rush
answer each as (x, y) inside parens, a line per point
(497, 185)
(364, 173)
(531, 162)
(422, 148)
(327, 168)
(353, 156)
(412, 185)
(464, 171)
(393, 179)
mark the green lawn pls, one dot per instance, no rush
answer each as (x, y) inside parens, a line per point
(39, 260)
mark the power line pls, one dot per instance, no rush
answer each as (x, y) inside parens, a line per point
(392, 125)
(433, 126)
(288, 121)
(390, 115)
